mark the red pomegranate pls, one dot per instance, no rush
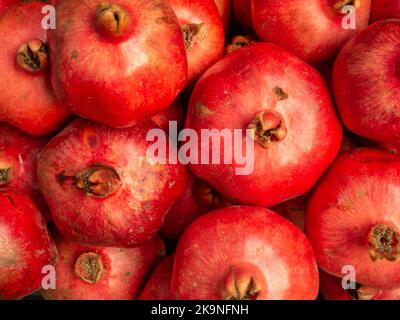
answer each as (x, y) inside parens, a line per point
(367, 90)
(140, 49)
(203, 33)
(199, 198)
(102, 189)
(352, 218)
(102, 273)
(312, 30)
(238, 42)
(175, 112)
(27, 100)
(385, 9)
(5, 4)
(157, 287)
(25, 246)
(286, 107)
(244, 253)
(224, 9)
(242, 14)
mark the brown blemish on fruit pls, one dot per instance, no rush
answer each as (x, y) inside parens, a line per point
(190, 32)
(89, 267)
(384, 243)
(74, 54)
(33, 56)
(280, 94)
(202, 111)
(5, 175)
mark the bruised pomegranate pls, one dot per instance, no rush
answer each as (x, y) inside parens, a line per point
(199, 198)
(291, 123)
(102, 273)
(224, 9)
(157, 287)
(314, 30)
(203, 33)
(243, 253)
(367, 90)
(352, 218)
(385, 9)
(102, 189)
(242, 14)
(118, 62)
(27, 100)
(239, 42)
(331, 288)
(25, 246)
(175, 112)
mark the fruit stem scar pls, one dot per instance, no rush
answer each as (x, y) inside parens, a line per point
(339, 5)
(384, 243)
(112, 20)
(89, 267)
(5, 175)
(190, 30)
(33, 56)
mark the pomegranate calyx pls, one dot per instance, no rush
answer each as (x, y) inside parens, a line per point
(112, 20)
(190, 31)
(89, 267)
(5, 175)
(340, 4)
(33, 56)
(384, 243)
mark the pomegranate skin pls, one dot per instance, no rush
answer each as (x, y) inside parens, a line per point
(385, 9)
(312, 31)
(121, 274)
(144, 64)
(370, 107)
(203, 33)
(175, 112)
(242, 13)
(101, 188)
(352, 212)
(224, 9)
(29, 102)
(263, 78)
(275, 258)
(157, 287)
(5, 4)
(26, 246)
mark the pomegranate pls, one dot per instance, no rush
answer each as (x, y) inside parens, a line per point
(102, 273)
(367, 90)
(157, 287)
(385, 9)
(203, 33)
(287, 108)
(352, 218)
(293, 210)
(28, 102)
(199, 198)
(218, 258)
(101, 188)
(314, 30)
(239, 42)
(25, 246)
(5, 4)
(175, 112)
(332, 289)
(140, 48)
(224, 9)
(242, 14)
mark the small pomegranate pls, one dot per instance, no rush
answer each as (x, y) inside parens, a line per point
(239, 42)
(101, 188)
(27, 100)
(203, 33)
(199, 198)
(157, 287)
(102, 273)
(118, 62)
(287, 109)
(385, 9)
(352, 218)
(242, 14)
(175, 112)
(243, 253)
(25, 246)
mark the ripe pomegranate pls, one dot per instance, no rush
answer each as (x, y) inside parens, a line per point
(313, 31)
(102, 273)
(140, 48)
(157, 287)
(28, 101)
(293, 210)
(175, 112)
(239, 42)
(242, 14)
(331, 288)
(101, 188)
(224, 9)
(5, 4)
(199, 198)
(218, 258)
(385, 9)
(367, 90)
(352, 218)
(285, 104)
(203, 33)
(25, 246)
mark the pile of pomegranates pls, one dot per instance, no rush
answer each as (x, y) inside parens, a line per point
(200, 149)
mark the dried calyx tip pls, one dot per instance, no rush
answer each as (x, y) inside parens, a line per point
(384, 243)
(112, 20)
(5, 175)
(33, 56)
(89, 267)
(340, 4)
(190, 31)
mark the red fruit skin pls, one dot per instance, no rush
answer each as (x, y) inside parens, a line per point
(222, 239)
(242, 13)
(29, 102)
(370, 107)
(125, 271)
(157, 287)
(5, 4)
(143, 71)
(241, 85)
(224, 9)
(313, 32)
(188, 207)
(26, 246)
(391, 147)
(129, 216)
(293, 210)
(207, 46)
(385, 9)
(358, 192)
(175, 112)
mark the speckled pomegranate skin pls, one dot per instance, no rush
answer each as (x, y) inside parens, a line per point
(385, 9)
